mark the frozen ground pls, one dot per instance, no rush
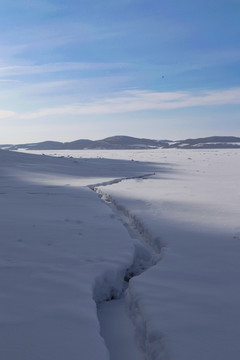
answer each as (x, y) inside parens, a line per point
(64, 251)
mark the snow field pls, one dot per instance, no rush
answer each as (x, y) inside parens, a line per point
(118, 331)
(63, 250)
(187, 305)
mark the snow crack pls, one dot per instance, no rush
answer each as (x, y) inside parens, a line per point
(116, 181)
(148, 252)
(134, 225)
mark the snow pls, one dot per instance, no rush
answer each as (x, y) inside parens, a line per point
(227, 143)
(189, 303)
(64, 251)
(118, 330)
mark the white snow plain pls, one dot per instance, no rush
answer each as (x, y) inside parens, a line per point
(64, 251)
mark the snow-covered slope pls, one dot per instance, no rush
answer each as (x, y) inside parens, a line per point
(64, 250)
(188, 305)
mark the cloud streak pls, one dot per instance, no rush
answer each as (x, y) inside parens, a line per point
(57, 67)
(140, 100)
(7, 114)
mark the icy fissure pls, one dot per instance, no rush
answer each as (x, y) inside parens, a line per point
(116, 181)
(148, 251)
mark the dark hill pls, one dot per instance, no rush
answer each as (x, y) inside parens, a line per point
(128, 142)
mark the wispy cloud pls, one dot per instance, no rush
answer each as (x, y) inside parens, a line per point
(52, 35)
(139, 100)
(6, 114)
(9, 81)
(39, 5)
(57, 67)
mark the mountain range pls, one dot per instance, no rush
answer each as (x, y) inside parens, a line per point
(128, 142)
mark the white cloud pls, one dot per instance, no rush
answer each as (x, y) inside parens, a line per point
(139, 100)
(6, 114)
(56, 67)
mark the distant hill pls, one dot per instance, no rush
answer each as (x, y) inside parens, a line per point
(213, 142)
(128, 142)
(45, 145)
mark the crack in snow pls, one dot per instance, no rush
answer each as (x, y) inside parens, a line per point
(148, 252)
(134, 225)
(118, 180)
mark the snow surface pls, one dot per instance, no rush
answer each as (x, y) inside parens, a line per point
(64, 251)
(188, 305)
(117, 329)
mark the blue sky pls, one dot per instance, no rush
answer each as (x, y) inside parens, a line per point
(90, 69)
